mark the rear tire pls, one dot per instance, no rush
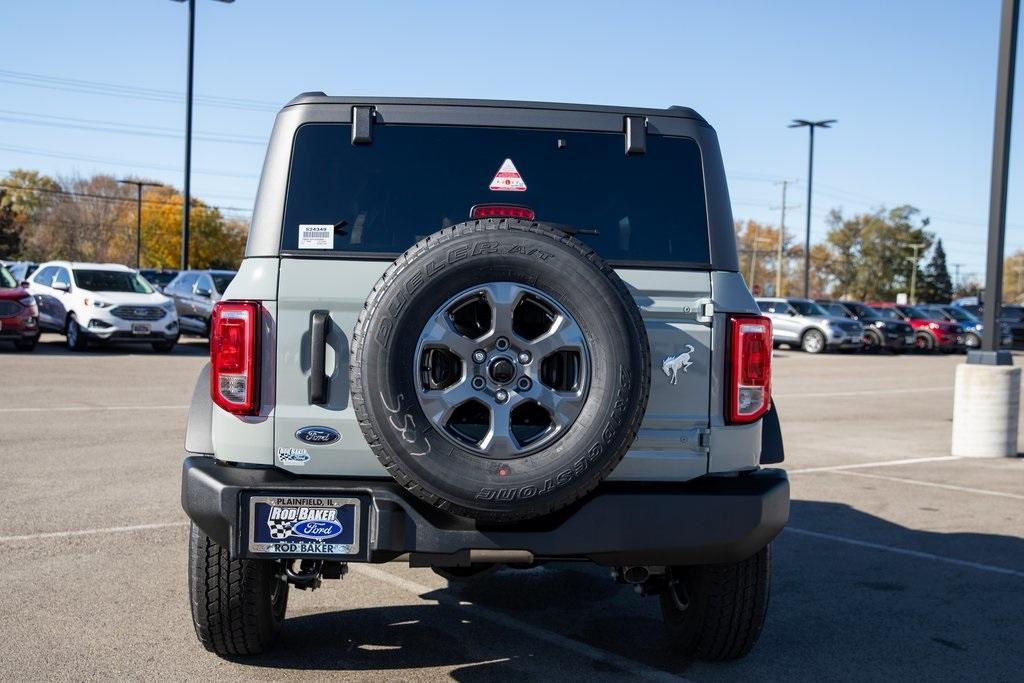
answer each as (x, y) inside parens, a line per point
(165, 346)
(238, 606)
(924, 342)
(716, 612)
(75, 337)
(872, 341)
(26, 344)
(813, 341)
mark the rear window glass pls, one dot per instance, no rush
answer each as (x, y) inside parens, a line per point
(414, 180)
(222, 280)
(111, 281)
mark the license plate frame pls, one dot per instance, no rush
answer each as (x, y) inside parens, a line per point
(349, 511)
(141, 329)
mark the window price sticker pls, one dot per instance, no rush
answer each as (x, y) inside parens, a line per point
(316, 236)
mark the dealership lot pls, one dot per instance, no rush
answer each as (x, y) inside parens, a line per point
(899, 561)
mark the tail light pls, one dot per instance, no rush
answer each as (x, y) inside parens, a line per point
(750, 368)
(501, 211)
(234, 370)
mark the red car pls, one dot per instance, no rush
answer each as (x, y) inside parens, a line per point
(19, 315)
(929, 334)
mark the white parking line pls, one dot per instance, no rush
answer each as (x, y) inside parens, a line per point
(84, 409)
(88, 532)
(951, 487)
(881, 463)
(866, 392)
(593, 653)
(631, 667)
(910, 553)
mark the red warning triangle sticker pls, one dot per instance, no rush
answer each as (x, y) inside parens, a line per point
(507, 179)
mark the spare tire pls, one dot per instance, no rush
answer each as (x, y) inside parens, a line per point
(500, 369)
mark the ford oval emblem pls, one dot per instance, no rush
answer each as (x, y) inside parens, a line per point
(316, 529)
(317, 436)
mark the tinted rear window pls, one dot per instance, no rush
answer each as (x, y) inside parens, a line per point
(222, 280)
(414, 180)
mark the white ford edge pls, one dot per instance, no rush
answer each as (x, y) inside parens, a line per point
(99, 302)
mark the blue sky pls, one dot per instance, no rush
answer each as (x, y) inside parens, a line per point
(912, 84)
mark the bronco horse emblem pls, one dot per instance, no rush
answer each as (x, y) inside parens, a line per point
(673, 364)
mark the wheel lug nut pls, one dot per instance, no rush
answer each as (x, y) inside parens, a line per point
(501, 395)
(524, 384)
(478, 383)
(501, 344)
(524, 357)
(479, 356)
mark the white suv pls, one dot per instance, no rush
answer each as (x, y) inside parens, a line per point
(102, 302)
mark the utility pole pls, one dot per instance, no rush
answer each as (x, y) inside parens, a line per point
(186, 205)
(810, 125)
(956, 275)
(917, 247)
(139, 184)
(753, 253)
(782, 235)
(753, 256)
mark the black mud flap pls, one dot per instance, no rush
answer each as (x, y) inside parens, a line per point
(772, 451)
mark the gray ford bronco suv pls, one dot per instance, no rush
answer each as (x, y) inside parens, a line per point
(477, 333)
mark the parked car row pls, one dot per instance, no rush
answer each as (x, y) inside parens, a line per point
(94, 303)
(822, 325)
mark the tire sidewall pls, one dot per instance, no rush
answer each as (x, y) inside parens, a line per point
(807, 335)
(461, 479)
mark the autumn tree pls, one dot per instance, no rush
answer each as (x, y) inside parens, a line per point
(1013, 277)
(10, 232)
(758, 247)
(868, 255)
(94, 219)
(214, 241)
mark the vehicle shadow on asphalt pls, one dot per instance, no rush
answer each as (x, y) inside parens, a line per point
(838, 611)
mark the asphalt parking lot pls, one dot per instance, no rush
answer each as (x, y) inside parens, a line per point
(899, 562)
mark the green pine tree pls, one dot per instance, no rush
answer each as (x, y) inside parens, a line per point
(936, 285)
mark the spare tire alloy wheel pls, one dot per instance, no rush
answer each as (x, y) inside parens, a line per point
(512, 390)
(500, 369)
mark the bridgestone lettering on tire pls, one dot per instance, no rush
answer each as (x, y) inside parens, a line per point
(500, 369)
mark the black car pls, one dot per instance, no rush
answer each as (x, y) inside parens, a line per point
(879, 332)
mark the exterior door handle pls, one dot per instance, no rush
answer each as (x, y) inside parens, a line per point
(318, 358)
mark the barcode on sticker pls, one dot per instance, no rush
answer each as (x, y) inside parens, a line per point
(316, 236)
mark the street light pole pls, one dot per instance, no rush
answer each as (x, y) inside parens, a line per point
(986, 393)
(810, 125)
(187, 204)
(139, 184)
(989, 353)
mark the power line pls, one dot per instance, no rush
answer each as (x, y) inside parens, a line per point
(122, 128)
(130, 92)
(116, 162)
(110, 198)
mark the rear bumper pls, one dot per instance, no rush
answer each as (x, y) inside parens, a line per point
(708, 520)
(7, 334)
